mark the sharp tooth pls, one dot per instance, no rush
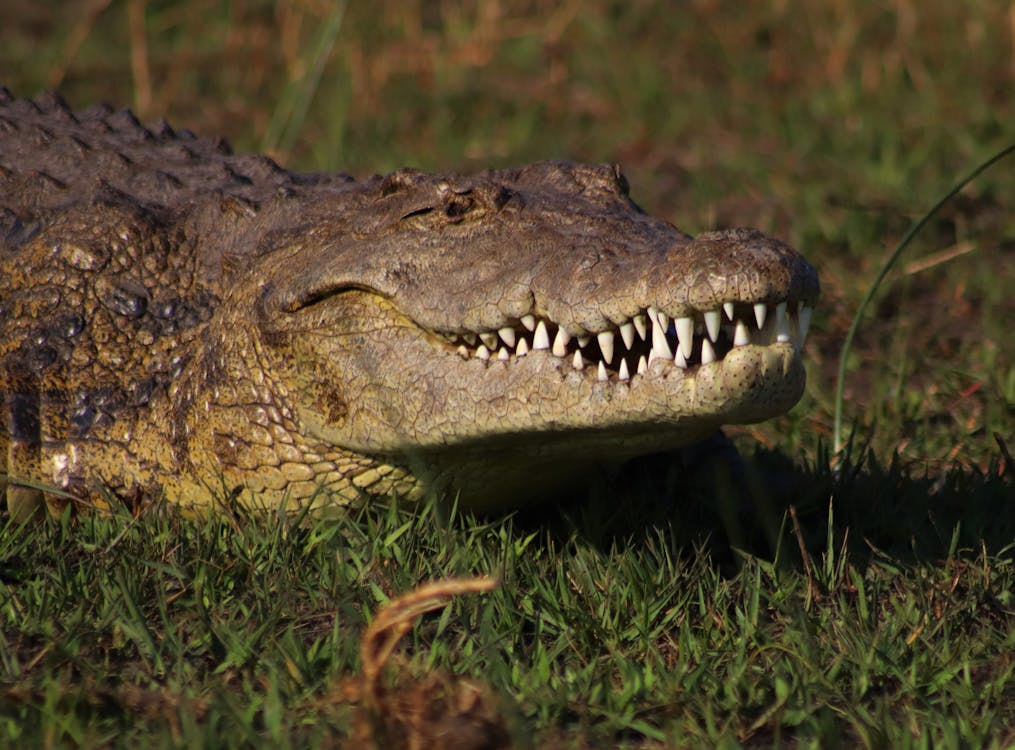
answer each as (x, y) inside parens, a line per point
(523, 348)
(606, 345)
(507, 335)
(463, 352)
(503, 355)
(678, 359)
(804, 322)
(640, 325)
(623, 374)
(760, 312)
(659, 343)
(685, 334)
(712, 320)
(627, 334)
(577, 362)
(707, 352)
(781, 323)
(542, 339)
(560, 342)
(490, 339)
(664, 322)
(470, 338)
(584, 339)
(642, 365)
(652, 356)
(482, 352)
(601, 372)
(728, 309)
(742, 336)
(529, 321)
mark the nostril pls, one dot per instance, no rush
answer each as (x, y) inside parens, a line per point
(458, 207)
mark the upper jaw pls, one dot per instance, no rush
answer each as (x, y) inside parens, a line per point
(707, 296)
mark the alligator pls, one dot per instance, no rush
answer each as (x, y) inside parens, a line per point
(183, 322)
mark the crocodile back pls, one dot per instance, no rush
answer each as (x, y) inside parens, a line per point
(112, 237)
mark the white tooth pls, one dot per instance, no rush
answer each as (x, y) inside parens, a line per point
(685, 334)
(678, 359)
(560, 342)
(652, 356)
(728, 309)
(529, 321)
(482, 352)
(523, 348)
(507, 335)
(577, 362)
(490, 339)
(781, 323)
(659, 343)
(584, 339)
(742, 337)
(463, 352)
(642, 365)
(623, 374)
(664, 322)
(606, 345)
(712, 320)
(542, 339)
(503, 355)
(601, 371)
(627, 334)
(640, 325)
(707, 352)
(760, 312)
(804, 322)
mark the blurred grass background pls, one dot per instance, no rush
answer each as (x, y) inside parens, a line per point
(832, 125)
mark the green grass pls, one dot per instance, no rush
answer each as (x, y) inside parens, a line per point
(188, 633)
(664, 610)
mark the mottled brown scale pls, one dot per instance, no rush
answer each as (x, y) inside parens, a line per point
(177, 319)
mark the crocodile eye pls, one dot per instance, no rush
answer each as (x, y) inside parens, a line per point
(417, 212)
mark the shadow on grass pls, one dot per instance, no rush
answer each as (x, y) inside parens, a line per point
(712, 499)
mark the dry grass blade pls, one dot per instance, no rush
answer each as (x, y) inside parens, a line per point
(1007, 462)
(395, 620)
(935, 259)
(813, 594)
(439, 710)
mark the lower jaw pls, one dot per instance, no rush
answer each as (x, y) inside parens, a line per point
(534, 460)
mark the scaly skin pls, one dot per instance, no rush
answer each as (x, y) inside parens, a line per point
(176, 319)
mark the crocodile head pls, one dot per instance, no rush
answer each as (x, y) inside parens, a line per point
(495, 335)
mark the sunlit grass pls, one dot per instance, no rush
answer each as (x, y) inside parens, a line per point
(202, 626)
(668, 611)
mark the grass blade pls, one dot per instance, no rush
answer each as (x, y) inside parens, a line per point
(913, 231)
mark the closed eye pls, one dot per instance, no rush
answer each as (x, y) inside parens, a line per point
(417, 212)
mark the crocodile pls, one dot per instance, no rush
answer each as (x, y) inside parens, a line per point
(180, 321)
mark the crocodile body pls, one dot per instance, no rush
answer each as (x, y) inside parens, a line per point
(179, 320)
